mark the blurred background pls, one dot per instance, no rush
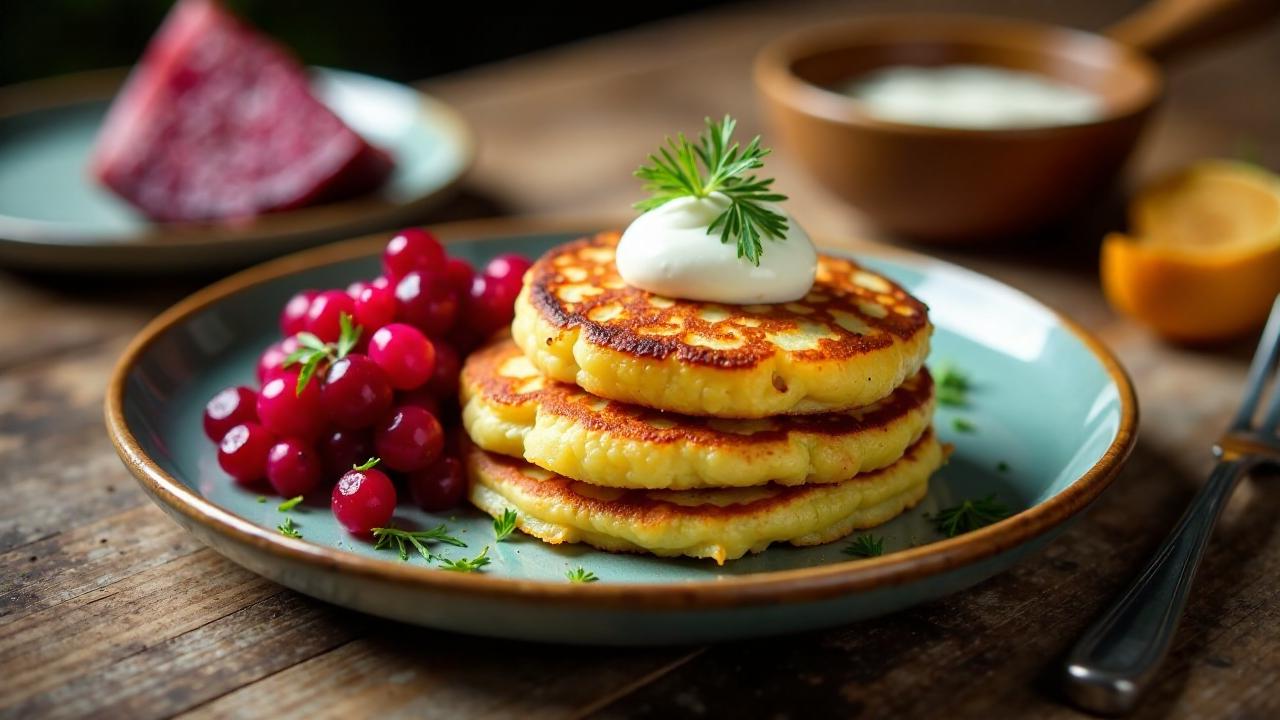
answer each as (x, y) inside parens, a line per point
(538, 86)
(397, 39)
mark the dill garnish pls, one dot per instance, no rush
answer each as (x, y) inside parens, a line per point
(675, 173)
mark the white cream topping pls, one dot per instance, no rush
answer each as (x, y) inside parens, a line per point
(668, 251)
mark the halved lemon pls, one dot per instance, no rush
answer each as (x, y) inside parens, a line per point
(1203, 260)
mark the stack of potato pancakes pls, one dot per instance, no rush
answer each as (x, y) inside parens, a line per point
(639, 423)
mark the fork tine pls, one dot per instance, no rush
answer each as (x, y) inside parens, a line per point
(1272, 418)
(1263, 358)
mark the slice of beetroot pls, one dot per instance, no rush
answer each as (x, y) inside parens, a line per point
(217, 122)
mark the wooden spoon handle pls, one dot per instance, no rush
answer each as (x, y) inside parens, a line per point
(1165, 28)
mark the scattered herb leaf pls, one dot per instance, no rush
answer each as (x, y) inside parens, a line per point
(307, 372)
(503, 526)
(951, 385)
(865, 546)
(289, 504)
(581, 575)
(466, 565)
(1002, 466)
(308, 341)
(674, 173)
(262, 498)
(962, 425)
(348, 336)
(288, 529)
(402, 540)
(312, 352)
(970, 515)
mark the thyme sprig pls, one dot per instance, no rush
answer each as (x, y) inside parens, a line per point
(581, 575)
(865, 546)
(288, 529)
(466, 565)
(505, 525)
(970, 515)
(402, 540)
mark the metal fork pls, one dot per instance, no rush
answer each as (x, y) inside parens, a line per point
(1116, 659)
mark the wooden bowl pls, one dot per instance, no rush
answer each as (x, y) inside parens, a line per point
(950, 184)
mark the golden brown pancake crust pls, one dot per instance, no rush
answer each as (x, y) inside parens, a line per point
(861, 311)
(488, 374)
(655, 507)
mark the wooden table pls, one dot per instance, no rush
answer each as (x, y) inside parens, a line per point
(108, 609)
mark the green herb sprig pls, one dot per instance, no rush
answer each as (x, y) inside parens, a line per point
(581, 575)
(313, 352)
(952, 385)
(289, 504)
(505, 525)
(402, 540)
(288, 529)
(465, 565)
(970, 515)
(865, 546)
(674, 173)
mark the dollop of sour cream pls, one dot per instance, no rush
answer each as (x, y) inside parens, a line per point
(668, 251)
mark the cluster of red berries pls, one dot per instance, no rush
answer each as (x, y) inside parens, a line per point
(367, 372)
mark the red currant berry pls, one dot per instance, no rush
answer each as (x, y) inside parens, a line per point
(404, 354)
(364, 499)
(288, 413)
(491, 303)
(242, 453)
(293, 319)
(410, 438)
(375, 307)
(353, 290)
(444, 380)
(458, 272)
(509, 267)
(293, 468)
(412, 249)
(272, 359)
(324, 318)
(439, 486)
(425, 301)
(342, 450)
(229, 408)
(355, 392)
(421, 397)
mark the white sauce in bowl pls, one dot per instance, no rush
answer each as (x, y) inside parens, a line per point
(972, 96)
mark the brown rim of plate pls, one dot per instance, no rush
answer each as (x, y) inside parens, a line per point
(814, 583)
(773, 72)
(356, 213)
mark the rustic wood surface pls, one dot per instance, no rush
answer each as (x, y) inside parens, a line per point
(107, 609)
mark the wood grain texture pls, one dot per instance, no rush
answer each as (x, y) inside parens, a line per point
(107, 609)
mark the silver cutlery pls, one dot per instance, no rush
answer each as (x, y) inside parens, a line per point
(1116, 659)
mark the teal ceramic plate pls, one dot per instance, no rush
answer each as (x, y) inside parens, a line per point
(1052, 415)
(54, 217)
